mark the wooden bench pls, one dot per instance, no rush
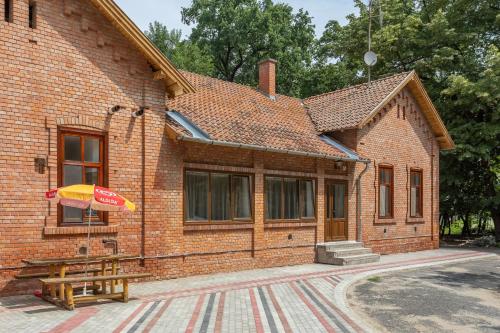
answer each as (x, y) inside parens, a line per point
(40, 275)
(70, 300)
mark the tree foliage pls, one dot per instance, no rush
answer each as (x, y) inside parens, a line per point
(240, 33)
(183, 53)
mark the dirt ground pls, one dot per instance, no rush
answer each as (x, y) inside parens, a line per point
(460, 297)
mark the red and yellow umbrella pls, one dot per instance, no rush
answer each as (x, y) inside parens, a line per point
(93, 197)
(90, 196)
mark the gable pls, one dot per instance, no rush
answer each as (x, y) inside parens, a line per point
(175, 83)
(355, 107)
(413, 84)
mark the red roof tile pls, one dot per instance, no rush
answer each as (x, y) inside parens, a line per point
(348, 107)
(237, 113)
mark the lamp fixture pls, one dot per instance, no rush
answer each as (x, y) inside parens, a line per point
(115, 109)
(140, 112)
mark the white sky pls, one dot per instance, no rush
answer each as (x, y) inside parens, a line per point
(168, 12)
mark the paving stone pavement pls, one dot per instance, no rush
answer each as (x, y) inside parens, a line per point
(305, 298)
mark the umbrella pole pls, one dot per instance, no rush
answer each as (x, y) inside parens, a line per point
(88, 250)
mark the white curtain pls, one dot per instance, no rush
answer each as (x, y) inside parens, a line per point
(291, 193)
(221, 197)
(308, 200)
(273, 198)
(339, 201)
(242, 197)
(196, 196)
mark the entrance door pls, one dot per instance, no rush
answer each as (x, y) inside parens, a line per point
(336, 211)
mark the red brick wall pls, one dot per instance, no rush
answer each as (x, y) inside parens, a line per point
(66, 74)
(404, 140)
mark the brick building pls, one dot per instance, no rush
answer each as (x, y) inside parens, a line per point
(225, 177)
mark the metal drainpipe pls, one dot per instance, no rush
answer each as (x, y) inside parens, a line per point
(358, 209)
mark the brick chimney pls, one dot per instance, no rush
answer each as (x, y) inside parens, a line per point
(267, 77)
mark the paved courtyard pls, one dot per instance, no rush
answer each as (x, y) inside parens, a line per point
(464, 297)
(306, 298)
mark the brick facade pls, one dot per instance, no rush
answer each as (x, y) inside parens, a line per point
(70, 70)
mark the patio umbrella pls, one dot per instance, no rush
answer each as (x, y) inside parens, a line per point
(91, 197)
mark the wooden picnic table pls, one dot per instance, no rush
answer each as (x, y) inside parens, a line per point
(60, 265)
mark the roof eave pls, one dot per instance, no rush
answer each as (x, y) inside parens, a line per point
(175, 83)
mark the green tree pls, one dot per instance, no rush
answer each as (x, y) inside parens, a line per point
(240, 33)
(183, 53)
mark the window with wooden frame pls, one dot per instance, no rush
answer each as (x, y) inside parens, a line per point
(217, 197)
(8, 11)
(289, 198)
(416, 194)
(81, 160)
(386, 192)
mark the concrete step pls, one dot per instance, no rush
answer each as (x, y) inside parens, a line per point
(352, 252)
(333, 246)
(360, 259)
(349, 260)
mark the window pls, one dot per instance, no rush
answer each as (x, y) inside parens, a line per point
(81, 161)
(416, 202)
(289, 198)
(386, 191)
(336, 205)
(8, 12)
(32, 15)
(217, 197)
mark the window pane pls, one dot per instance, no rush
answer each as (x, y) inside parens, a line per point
(92, 150)
(273, 198)
(329, 190)
(339, 201)
(413, 201)
(72, 148)
(291, 193)
(196, 196)
(308, 193)
(220, 197)
(92, 176)
(383, 201)
(72, 215)
(72, 175)
(242, 197)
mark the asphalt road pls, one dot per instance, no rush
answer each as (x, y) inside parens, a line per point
(459, 297)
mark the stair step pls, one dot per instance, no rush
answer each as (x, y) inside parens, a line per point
(334, 246)
(351, 252)
(360, 259)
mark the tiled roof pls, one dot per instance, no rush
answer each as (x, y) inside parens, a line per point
(348, 107)
(235, 113)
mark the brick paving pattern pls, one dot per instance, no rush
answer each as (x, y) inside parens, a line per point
(288, 299)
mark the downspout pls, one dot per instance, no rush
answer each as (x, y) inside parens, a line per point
(359, 225)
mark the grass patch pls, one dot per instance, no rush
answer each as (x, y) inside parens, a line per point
(375, 279)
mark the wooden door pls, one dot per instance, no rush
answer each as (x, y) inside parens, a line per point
(336, 211)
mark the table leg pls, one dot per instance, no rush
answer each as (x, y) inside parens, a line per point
(52, 274)
(70, 303)
(62, 274)
(113, 272)
(125, 290)
(103, 272)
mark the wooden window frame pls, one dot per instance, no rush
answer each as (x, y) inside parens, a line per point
(209, 221)
(301, 202)
(8, 11)
(421, 192)
(391, 168)
(102, 217)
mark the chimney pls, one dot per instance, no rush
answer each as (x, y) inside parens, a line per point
(267, 77)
